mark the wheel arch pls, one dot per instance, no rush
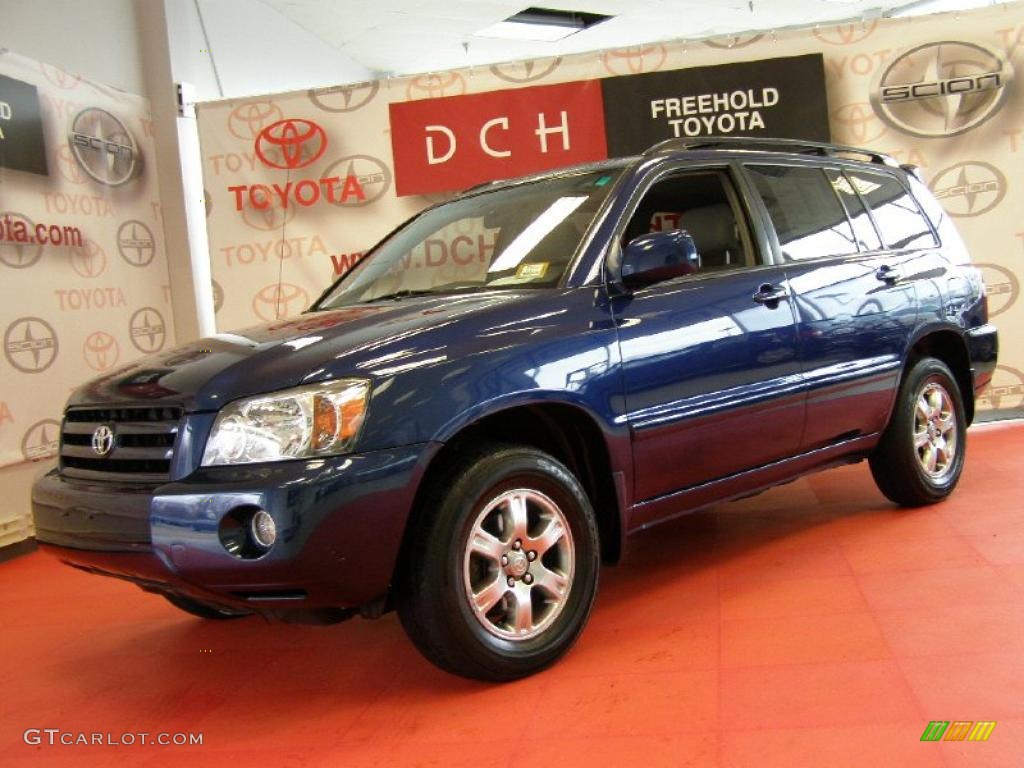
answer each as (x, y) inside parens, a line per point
(569, 432)
(949, 346)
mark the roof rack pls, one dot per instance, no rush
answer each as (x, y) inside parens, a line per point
(797, 146)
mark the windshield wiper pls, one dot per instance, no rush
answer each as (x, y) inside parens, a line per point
(441, 291)
(404, 293)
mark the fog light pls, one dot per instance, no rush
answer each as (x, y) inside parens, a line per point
(264, 531)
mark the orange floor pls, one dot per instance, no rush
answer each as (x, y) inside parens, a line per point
(814, 625)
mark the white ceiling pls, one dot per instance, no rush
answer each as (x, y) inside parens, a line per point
(411, 36)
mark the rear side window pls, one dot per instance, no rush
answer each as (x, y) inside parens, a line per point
(899, 220)
(867, 236)
(809, 220)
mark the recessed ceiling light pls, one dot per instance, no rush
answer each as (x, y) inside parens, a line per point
(542, 24)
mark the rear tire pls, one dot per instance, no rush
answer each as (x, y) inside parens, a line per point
(501, 575)
(203, 610)
(921, 454)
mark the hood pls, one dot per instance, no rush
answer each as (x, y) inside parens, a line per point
(205, 374)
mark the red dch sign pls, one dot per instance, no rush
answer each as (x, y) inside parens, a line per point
(451, 143)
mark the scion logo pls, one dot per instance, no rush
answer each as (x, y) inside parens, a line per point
(103, 147)
(218, 296)
(846, 34)
(67, 166)
(1001, 288)
(41, 440)
(278, 300)
(292, 143)
(19, 255)
(635, 60)
(733, 41)
(373, 175)
(857, 123)
(101, 351)
(344, 98)
(434, 86)
(1006, 392)
(247, 120)
(30, 344)
(970, 188)
(147, 331)
(526, 71)
(135, 243)
(88, 259)
(942, 89)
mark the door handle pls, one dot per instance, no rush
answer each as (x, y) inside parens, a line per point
(770, 295)
(888, 274)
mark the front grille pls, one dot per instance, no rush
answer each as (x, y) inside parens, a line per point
(142, 444)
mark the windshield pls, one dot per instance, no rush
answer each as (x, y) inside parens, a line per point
(522, 236)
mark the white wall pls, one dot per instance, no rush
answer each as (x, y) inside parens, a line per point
(256, 50)
(94, 38)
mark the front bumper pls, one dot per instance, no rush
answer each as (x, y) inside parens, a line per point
(340, 523)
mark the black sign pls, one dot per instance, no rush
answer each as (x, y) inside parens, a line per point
(21, 127)
(778, 98)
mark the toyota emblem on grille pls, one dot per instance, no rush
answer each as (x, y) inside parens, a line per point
(103, 440)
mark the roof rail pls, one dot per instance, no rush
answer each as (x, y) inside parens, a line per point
(798, 146)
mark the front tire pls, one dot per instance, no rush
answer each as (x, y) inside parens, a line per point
(921, 454)
(502, 572)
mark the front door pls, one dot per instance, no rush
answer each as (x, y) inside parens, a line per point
(709, 360)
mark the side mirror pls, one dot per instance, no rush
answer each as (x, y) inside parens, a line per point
(659, 256)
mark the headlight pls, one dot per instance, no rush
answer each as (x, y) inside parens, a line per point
(300, 423)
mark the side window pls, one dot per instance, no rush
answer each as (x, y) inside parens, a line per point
(899, 220)
(704, 204)
(809, 220)
(863, 228)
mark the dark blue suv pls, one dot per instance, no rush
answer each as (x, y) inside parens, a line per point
(468, 438)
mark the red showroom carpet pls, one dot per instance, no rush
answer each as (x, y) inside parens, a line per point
(815, 625)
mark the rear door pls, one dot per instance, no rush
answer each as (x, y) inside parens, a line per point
(854, 288)
(709, 360)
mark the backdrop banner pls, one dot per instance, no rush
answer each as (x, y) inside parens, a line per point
(300, 184)
(83, 275)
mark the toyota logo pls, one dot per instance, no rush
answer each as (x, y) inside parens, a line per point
(942, 89)
(970, 188)
(846, 34)
(526, 71)
(100, 351)
(135, 243)
(88, 259)
(344, 98)
(292, 143)
(434, 86)
(103, 440)
(104, 147)
(733, 41)
(147, 331)
(636, 60)
(30, 344)
(857, 124)
(279, 300)
(247, 120)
